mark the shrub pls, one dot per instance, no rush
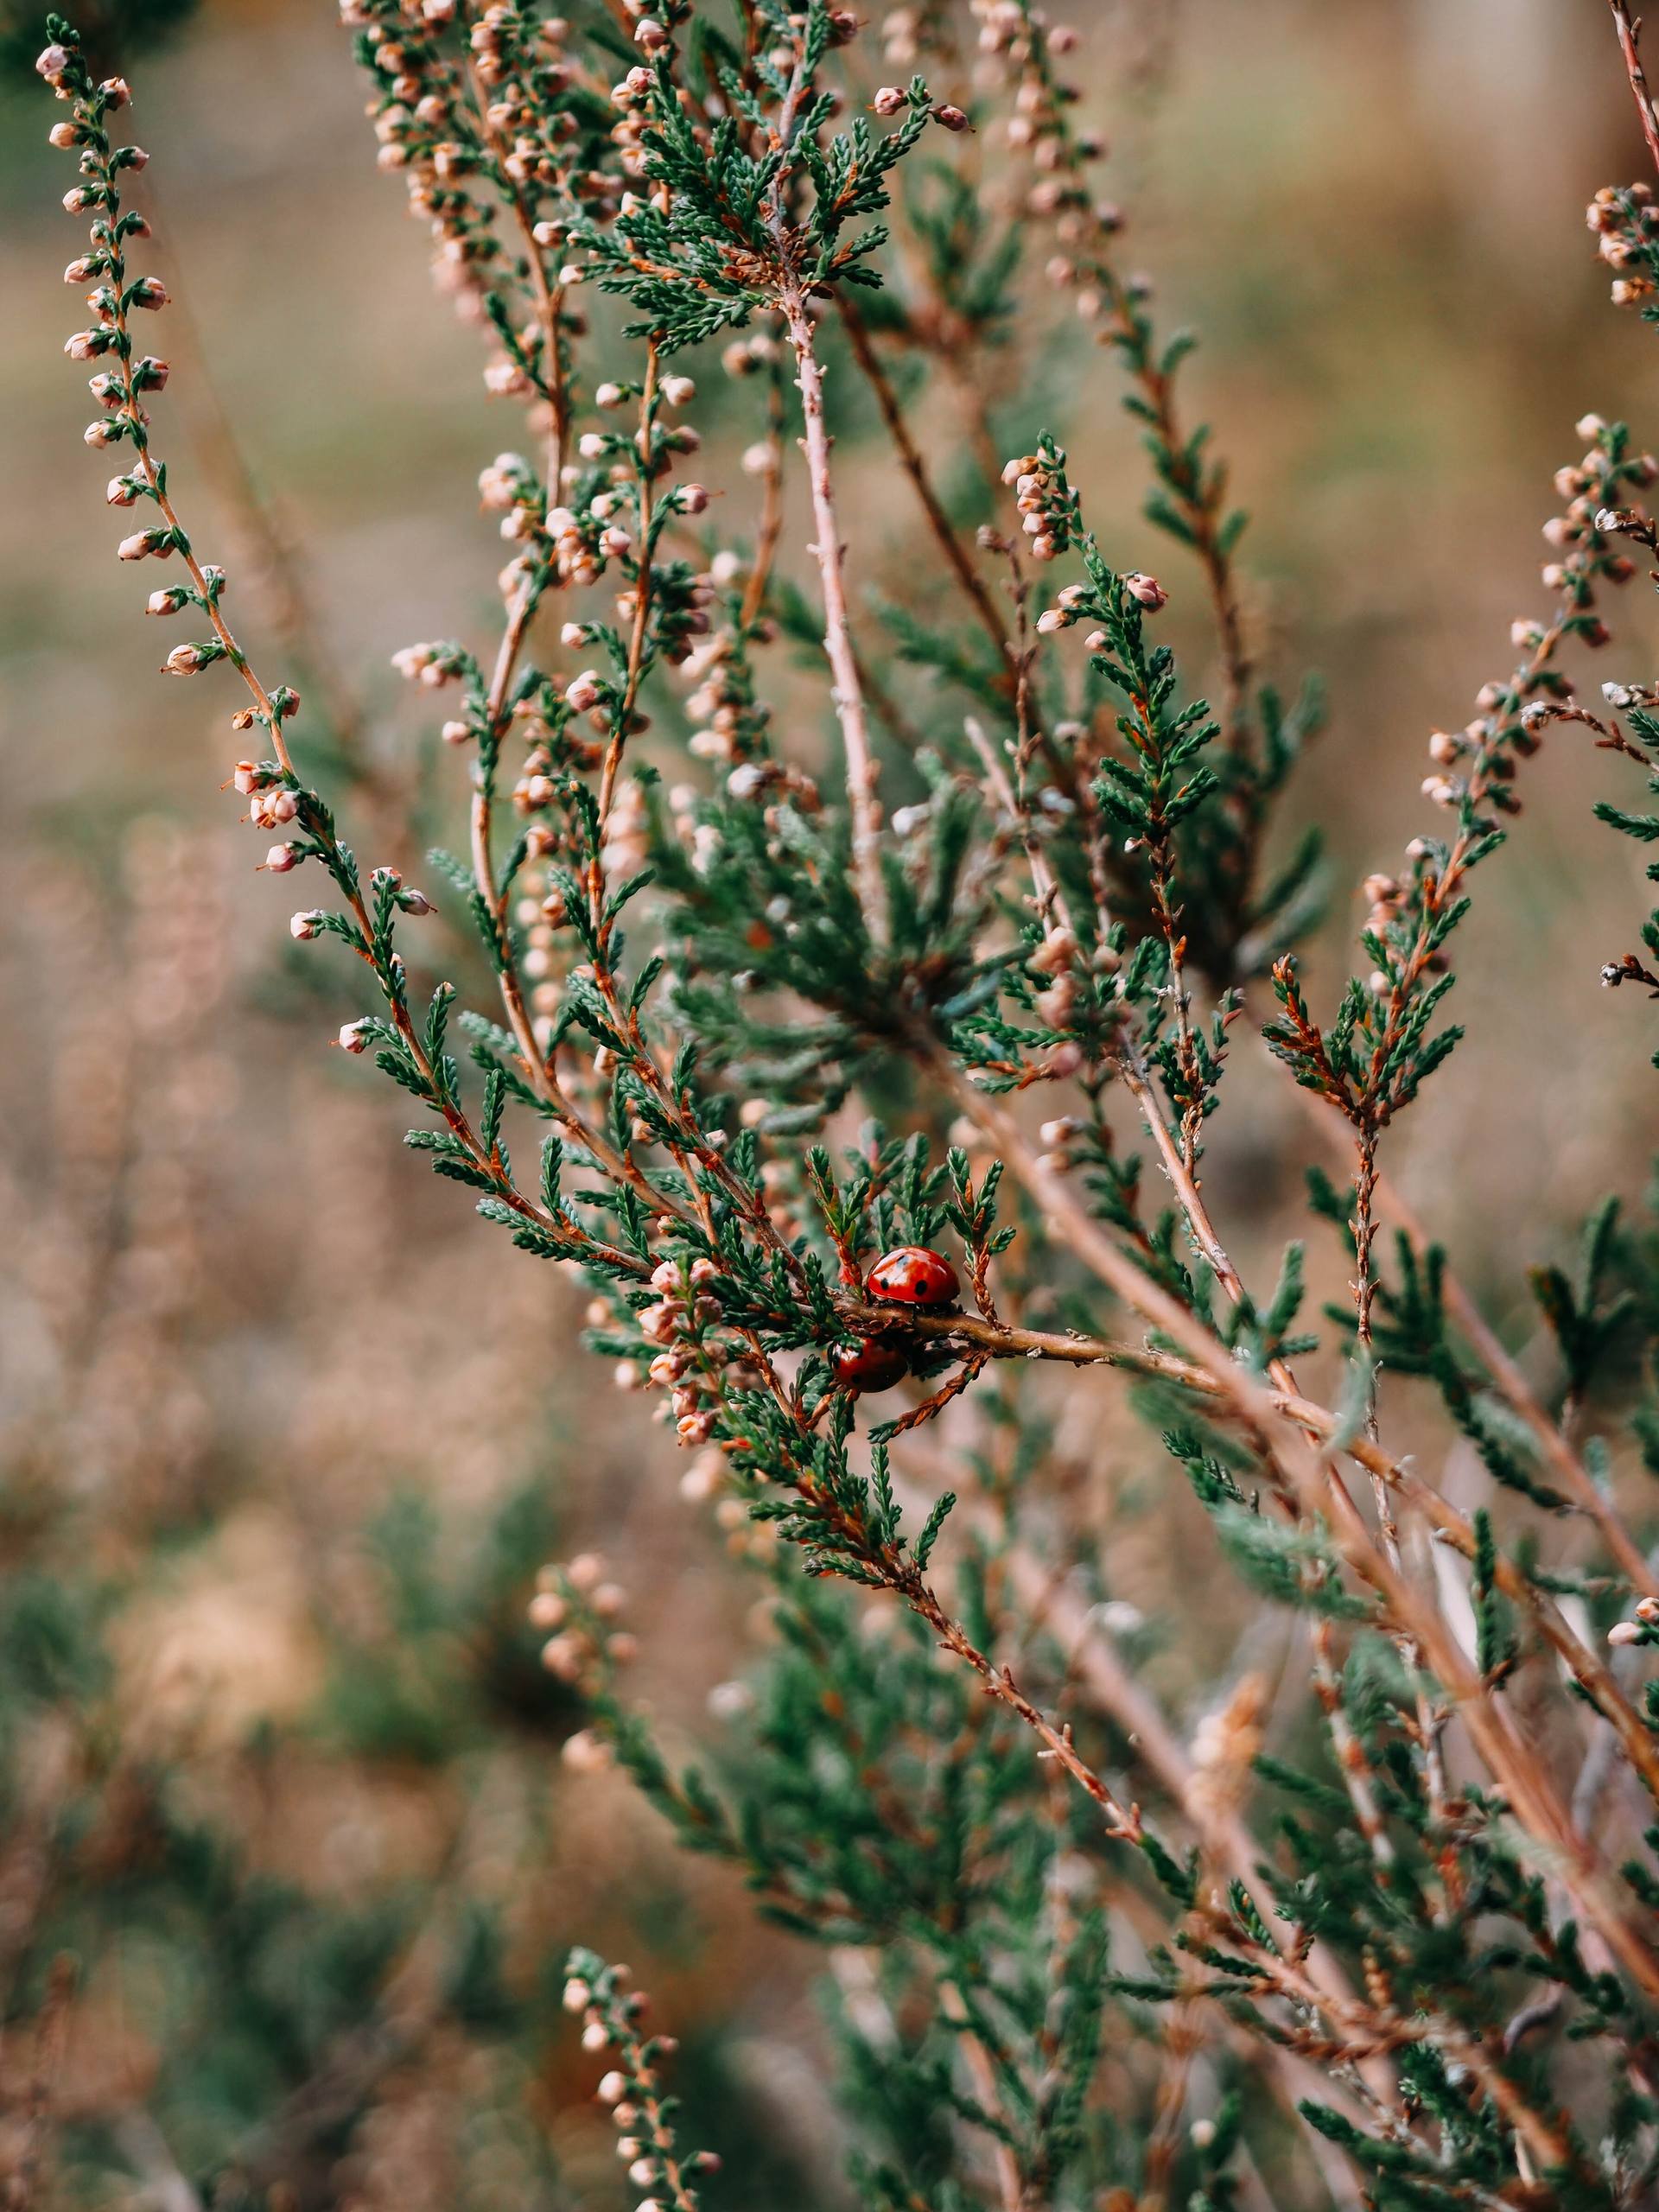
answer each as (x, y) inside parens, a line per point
(773, 1043)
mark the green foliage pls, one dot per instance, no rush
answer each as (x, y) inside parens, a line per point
(758, 1037)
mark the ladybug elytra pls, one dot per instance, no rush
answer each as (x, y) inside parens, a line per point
(865, 1365)
(912, 1275)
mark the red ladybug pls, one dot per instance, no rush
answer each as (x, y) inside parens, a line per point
(864, 1365)
(912, 1275)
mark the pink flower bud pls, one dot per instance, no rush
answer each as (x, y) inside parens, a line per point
(143, 544)
(694, 499)
(679, 391)
(582, 691)
(116, 92)
(52, 63)
(64, 137)
(273, 805)
(1146, 591)
(149, 292)
(303, 927)
(189, 660)
(951, 118)
(281, 858)
(888, 100)
(354, 1037)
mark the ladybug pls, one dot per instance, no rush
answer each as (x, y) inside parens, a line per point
(862, 1364)
(912, 1275)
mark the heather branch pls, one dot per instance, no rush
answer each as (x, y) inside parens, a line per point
(829, 554)
(1628, 28)
(962, 567)
(1197, 511)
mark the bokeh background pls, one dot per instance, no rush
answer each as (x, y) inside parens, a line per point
(283, 1430)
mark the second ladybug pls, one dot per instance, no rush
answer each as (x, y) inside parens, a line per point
(865, 1365)
(912, 1275)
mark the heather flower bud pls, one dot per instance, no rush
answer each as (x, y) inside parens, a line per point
(354, 1037)
(52, 64)
(1146, 591)
(148, 292)
(304, 926)
(146, 543)
(1056, 952)
(281, 858)
(585, 1753)
(888, 100)
(952, 119)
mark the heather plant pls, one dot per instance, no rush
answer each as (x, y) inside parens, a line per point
(770, 1038)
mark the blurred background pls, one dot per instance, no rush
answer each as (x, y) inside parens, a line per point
(284, 1431)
